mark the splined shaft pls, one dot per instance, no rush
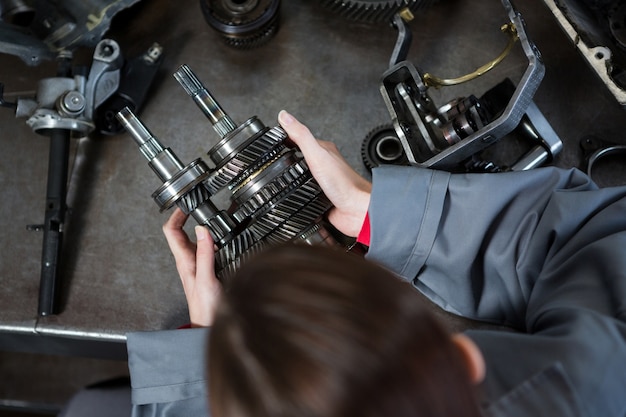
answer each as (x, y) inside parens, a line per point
(221, 122)
(183, 186)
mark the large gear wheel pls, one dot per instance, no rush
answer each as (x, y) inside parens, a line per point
(374, 11)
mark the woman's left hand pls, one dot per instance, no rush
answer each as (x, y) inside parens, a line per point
(195, 263)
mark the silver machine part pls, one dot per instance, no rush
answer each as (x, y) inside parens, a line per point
(69, 102)
(243, 24)
(444, 137)
(182, 185)
(273, 196)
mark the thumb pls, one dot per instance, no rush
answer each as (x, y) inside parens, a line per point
(297, 132)
(205, 254)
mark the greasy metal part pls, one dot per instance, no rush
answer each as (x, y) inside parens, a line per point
(243, 23)
(548, 144)
(38, 30)
(273, 196)
(182, 185)
(434, 81)
(445, 137)
(374, 11)
(597, 31)
(104, 75)
(69, 102)
(596, 149)
(63, 108)
(382, 146)
(405, 36)
(54, 221)
(136, 77)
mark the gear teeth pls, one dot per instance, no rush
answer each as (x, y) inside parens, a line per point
(253, 156)
(252, 41)
(194, 198)
(373, 11)
(280, 212)
(370, 152)
(292, 178)
(300, 222)
(243, 30)
(230, 257)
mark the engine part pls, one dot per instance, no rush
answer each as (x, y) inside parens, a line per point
(243, 23)
(595, 150)
(136, 77)
(446, 136)
(382, 146)
(63, 108)
(69, 102)
(597, 29)
(39, 30)
(273, 196)
(374, 11)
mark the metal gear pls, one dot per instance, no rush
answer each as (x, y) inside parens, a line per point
(242, 24)
(374, 11)
(273, 196)
(382, 146)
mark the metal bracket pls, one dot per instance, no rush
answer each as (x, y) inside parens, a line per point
(415, 116)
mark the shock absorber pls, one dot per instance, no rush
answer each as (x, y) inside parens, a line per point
(273, 196)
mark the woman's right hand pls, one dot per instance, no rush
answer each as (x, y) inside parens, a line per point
(347, 190)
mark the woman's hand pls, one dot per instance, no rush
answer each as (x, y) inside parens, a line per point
(346, 189)
(195, 264)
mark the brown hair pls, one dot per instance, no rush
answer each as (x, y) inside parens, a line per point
(305, 331)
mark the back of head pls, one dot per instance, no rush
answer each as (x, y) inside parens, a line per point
(306, 331)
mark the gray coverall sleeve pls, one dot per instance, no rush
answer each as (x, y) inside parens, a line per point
(542, 251)
(167, 370)
(470, 242)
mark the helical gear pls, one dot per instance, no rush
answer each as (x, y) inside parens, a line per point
(374, 11)
(248, 157)
(243, 24)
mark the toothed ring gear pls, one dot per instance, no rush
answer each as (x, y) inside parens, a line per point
(242, 24)
(374, 11)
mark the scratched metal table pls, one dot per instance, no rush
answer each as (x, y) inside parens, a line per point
(117, 272)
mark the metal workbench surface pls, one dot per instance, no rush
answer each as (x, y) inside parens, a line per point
(118, 274)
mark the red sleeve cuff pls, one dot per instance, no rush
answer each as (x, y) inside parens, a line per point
(364, 234)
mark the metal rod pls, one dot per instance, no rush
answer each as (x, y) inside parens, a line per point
(50, 281)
